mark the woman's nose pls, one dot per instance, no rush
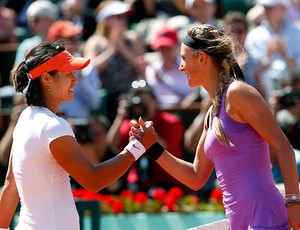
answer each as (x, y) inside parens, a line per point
(181, 68)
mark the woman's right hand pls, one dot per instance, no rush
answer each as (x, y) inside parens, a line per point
(144, 132)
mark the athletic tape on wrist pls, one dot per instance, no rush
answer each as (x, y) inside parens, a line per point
(135, 148)
(155, 151)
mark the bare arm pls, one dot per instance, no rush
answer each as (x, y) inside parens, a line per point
(263, 121)
(9, 198)
(193, 175)
(94, 177)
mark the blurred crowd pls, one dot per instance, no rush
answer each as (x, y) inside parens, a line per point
(134, 47)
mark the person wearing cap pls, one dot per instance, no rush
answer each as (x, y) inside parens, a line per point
(45, 151)
(169, 85)
(40, 15)
(117, 52)
(87, 91)
(274, 46)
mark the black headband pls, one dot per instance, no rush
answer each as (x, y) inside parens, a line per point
(194, 43)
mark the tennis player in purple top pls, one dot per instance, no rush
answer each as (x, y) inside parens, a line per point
(235, 141)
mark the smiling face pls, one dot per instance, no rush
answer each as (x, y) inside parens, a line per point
(190, 65)
(58, 88)
(64, 88)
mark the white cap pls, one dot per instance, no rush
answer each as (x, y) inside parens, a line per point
(189, 3)
(43, 8)
(271, 3)
(114, 8)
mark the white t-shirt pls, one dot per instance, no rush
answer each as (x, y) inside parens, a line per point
(43, 185)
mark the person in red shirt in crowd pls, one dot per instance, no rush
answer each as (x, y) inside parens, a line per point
(141, 102)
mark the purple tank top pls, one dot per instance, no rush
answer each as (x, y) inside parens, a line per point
(250, 197)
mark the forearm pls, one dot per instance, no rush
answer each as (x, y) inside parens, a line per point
(183, 171)
(111, 170)
(287, 164)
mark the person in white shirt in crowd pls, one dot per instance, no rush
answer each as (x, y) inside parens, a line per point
(274, 46)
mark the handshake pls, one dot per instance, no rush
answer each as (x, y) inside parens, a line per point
(143, 138)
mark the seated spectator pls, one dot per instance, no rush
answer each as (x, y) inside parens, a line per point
(169, 85)
(141, 101)
(87, 90)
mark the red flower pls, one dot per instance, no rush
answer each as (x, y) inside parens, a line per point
(176, 193)
(117, 206)
(109, 199)
(126, 193)
(216, 194)
(140, 197)
(159, 194)
(171, 203)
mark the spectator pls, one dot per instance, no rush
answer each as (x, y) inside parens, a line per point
(236, 25)
(8, 33)
(87, 91)
(202, 11)
(169, 85)
(273, 45)
(117, 53)
(40, 16)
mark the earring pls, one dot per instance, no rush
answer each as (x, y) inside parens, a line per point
(48, 89)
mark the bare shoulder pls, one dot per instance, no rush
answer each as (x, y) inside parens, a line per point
(241, 98)
(239, 90)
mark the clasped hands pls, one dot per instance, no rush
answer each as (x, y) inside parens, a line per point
(143, 131)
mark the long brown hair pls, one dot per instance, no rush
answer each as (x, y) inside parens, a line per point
(219, 47)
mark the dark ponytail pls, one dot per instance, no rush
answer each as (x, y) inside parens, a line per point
(32, 88)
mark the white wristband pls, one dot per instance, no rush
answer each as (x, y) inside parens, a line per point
(135, 148)
(4, 228)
